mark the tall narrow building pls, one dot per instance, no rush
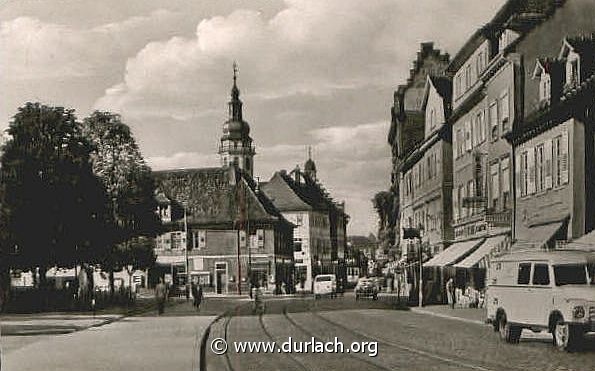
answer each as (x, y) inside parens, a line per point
(236, 147)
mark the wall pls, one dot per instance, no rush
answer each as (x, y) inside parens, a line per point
(558, 201)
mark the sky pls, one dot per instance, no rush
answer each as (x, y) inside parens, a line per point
(317, 73)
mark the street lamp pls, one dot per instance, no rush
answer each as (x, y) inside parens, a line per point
(186, 252)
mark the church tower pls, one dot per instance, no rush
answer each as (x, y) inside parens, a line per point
(310, 166)
(236, 147)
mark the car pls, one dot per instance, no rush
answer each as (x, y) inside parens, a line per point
(542, 290)
(366, 288)
(325, 285)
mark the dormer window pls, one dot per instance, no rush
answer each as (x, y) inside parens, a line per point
(572, 71)
(571, 53)
(543, 74)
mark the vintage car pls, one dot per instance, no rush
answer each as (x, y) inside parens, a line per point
(325, 285)
(542, 290)
(366, 288)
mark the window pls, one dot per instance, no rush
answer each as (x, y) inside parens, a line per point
(524, 174)
(494, 120)
(468, 136)
(524, 273)
(572, 72)
(545, 87)
(570, 274)
(177, 240)
(299, 219)
(541, 274)
(481, 130)
(560, 160)
(460, 142)
(495, 184)
(504, 111)
(194, 237)
(297, 244)
(539, 168)
(432, 118)
(471, 193)
(480, 63)
(260, 237)
(459, 85)
(468, 77)
(505, 171)
(202, 239)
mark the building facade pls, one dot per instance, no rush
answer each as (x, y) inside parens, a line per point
(221, 229)
(407, 118)
(319, 236)
(522, 137)
(426, 174)
(554, 148)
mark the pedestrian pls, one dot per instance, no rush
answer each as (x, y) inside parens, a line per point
(198, 296)
(194, 290)
(450, 292)
(258, 299)
(160, 296)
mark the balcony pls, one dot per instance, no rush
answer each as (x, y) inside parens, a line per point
(499, 218)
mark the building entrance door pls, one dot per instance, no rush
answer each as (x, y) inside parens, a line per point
(221, 278)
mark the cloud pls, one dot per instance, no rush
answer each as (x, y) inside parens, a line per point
(351, 164)
(33, 49)
(311, 72)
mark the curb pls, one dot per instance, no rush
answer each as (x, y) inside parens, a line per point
(446, 316)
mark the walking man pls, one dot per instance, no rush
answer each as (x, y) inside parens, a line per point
(160, 295)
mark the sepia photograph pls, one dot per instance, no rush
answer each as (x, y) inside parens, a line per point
(227, 185)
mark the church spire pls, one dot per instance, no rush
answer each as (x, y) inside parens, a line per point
(235, 105)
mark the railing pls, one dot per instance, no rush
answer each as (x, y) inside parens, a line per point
(499, 218)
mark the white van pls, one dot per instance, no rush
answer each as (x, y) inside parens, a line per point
(542, 290)
(325, 284)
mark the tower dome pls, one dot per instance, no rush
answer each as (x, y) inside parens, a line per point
(310, 166)
(236, 147)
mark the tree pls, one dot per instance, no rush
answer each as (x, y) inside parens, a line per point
(384, 202)
(53, 206)
(117, 161)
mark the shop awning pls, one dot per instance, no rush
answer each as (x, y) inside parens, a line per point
(482, 251)
(541, 235)
(586, 242)
(167, 260)
(453, 253)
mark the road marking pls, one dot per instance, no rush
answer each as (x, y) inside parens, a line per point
(440, 315)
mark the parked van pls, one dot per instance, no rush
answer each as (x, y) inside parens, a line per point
(325, 284)
(542, 290)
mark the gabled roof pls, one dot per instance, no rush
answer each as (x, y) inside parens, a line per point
(442, 85)
(287, 194)
(582, 45)
(545, 65)
(214, 196)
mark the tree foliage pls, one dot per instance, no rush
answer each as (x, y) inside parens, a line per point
(117, 161)
(384, 204)
(53, 206)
